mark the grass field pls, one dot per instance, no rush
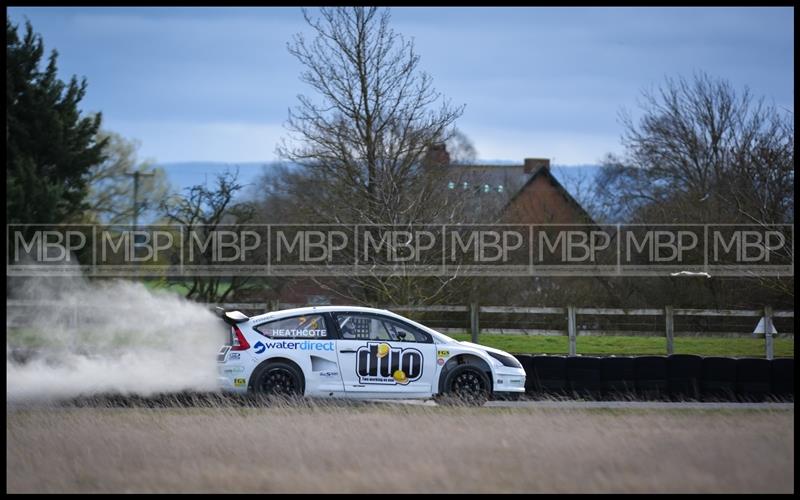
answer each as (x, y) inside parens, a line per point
(621, 345)
(396, 448)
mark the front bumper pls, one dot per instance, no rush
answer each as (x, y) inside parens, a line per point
(508, 379)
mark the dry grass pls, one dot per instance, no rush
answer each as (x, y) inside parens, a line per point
(396, 448)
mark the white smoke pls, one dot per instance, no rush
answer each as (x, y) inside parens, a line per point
(107, 337)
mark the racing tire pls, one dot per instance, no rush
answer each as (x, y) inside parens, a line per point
(465, 385)
(279, 381)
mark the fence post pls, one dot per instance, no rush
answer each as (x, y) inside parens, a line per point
(572, 330)
(473, 321)
(670, 329)
(768, 332)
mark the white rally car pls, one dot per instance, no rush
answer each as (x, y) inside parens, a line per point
(359, 352)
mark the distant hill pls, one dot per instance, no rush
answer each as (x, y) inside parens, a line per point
(183, 175)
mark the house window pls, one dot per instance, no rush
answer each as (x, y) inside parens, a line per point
(486, 188)
(466, 184)
(500, 188)
(451, 185)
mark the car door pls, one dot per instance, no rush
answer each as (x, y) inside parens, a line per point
(380, 356)
(309, 341)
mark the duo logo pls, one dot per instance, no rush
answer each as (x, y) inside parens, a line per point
(305, 345)
(379, 363)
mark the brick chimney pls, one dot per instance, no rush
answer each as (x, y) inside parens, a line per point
(532, 164)
(437, 155)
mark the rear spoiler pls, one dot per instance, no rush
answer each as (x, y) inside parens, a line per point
(231, 317)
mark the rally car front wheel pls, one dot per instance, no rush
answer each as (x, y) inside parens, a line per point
(279, 379)
(465, 385)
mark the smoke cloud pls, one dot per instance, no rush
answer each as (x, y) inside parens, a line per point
(70, 337)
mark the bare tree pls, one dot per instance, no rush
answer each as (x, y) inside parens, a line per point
(701, 152)
(358, 149)
(202, 210)
(582, 186)
(461, 149)
(377, 117)
(705, 153)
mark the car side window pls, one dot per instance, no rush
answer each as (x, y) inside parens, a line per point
(407, 333)
(361, 327)
(311, 326)
(372, 327)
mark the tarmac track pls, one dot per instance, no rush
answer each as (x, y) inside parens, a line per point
(641, 405)
(611, 405)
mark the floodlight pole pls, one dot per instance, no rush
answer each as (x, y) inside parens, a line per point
(136, 175)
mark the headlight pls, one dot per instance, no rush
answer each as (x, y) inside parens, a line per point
(509, 361)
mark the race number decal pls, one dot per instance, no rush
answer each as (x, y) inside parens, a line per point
(380, 363)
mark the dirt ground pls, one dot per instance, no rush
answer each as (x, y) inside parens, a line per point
(397, 448)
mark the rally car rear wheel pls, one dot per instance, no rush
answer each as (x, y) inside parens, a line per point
(279, 379)
(465, 384)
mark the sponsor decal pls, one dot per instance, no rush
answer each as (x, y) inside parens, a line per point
(239, 382)
(440, 361)
(303, 345)
(306, 327)
(379, 363)
(294, 333)
(235, 355)
(328, 374)
(298, 327)
(383, 350)
(442, 354)
(233, 369)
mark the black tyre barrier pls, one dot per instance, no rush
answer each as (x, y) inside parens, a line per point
(651, 376)
(783, 378)
(526, 360)
(718, 379)
(684, 372)
(619, 376)
(584, 376)
(753, 379)
(549, 374)
(679, 377)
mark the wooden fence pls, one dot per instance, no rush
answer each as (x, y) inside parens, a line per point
(475, 313)
(572, 314)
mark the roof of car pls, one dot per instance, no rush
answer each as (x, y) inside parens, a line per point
(317, 309)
